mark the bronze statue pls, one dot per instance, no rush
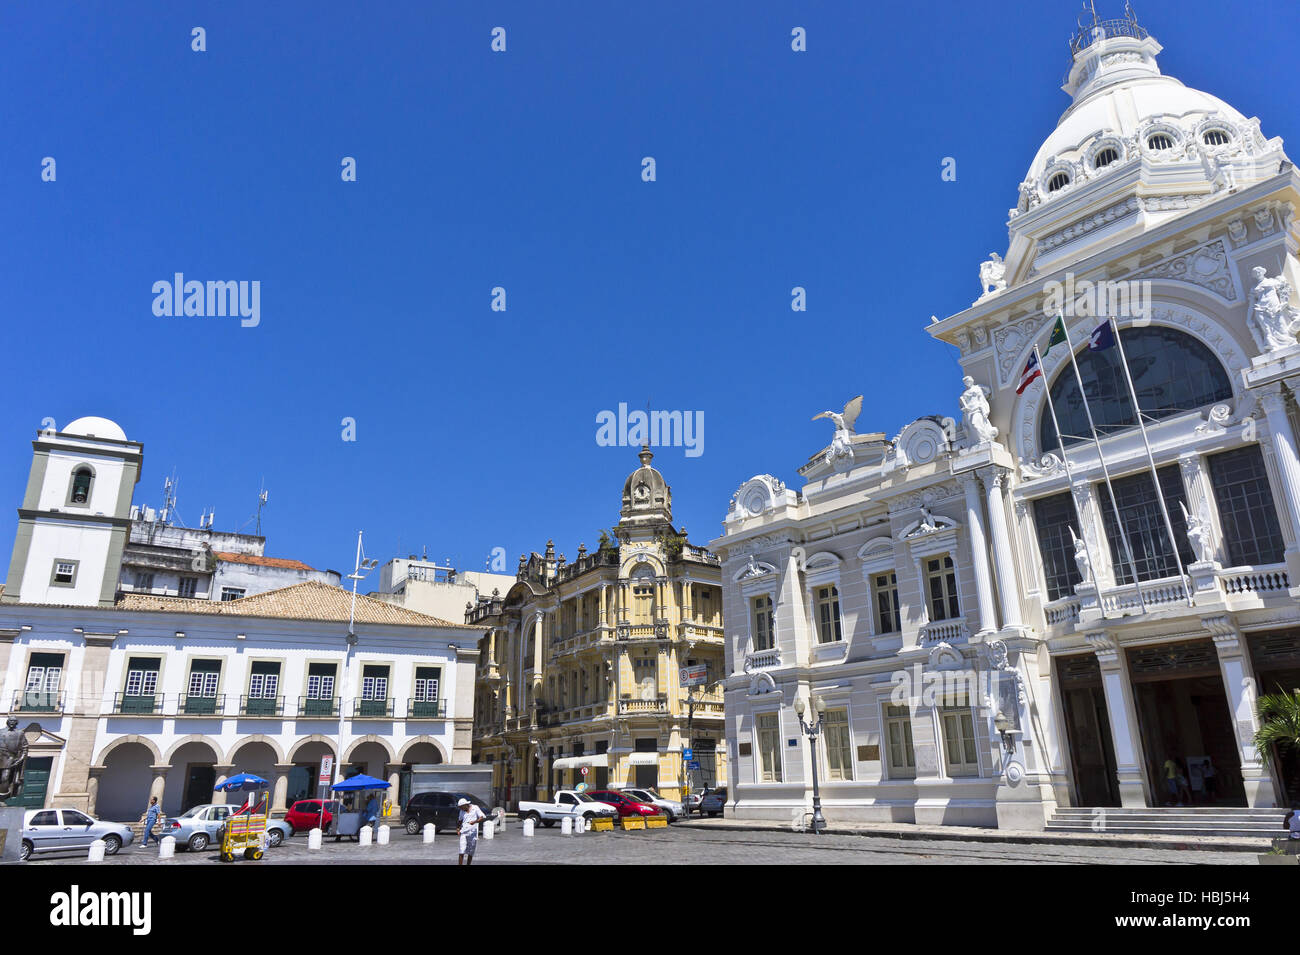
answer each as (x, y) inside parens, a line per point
(13, 759)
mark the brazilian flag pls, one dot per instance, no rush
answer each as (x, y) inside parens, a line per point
(1058, 334)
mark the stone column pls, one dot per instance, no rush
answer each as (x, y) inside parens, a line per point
(1273, 400)
(394, 773)
(158, 786)
(280, 789)
(92, 789)
(1120, 708)
(604, 604)
(223, 771)
(1003, 556)
(979, 552)
(538, 633)
(1239, 687)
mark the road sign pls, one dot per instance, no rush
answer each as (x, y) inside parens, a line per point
(693, 764)
(326, 769)
(688, 754)
(697, 675)
(584, 770)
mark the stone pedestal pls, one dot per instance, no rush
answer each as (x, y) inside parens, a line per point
(11, 832)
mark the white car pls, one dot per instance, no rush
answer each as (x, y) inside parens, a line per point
(566, 804)
(671, 808)
(69, 830)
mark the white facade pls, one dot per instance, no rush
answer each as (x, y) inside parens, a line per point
(438, 591)
(1022, 674)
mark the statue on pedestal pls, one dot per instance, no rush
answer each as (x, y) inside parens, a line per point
(1273, 320)
(1081, 558)
(13, 759)
(975, 409)
(1198, 535)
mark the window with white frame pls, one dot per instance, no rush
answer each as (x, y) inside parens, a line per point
(231, 593)
(828, 614)
(264, 680)
(426, 684)
(44, 670)
(374, 682)
(941, 585)
(142, 676)
(839, 746)
(884, 591)
(320, 681)
(960, 755)
(769, 747)
(898, 741)
(204, 677)
(65, 573)
(763, 623)
(189, 586)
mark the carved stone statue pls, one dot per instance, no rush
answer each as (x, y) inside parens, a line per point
(1081, 558)
(841, 449)
(993, 275)
(975, 410)
(927, 520)
(1198, 535)
(13, 759)
(1272, 318)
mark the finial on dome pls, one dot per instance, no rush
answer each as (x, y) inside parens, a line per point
(646, 455)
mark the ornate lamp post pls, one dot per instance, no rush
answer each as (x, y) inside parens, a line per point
(812, 731)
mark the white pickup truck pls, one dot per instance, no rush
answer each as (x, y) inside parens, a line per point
(567, 804)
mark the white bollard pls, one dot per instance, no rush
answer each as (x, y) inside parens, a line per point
(579, 825)
(96, 851)
(489, 829)
(314, 839)
(167, 848)
(365, 835)
(528, 827)
(383, 835)
(430, 830)
(566, 826)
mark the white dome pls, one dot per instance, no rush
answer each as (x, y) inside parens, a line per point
(92, 427)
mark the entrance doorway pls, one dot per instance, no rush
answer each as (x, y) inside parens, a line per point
(1276, 658)
(1186, 725)
(1087, 728)
(36, 781)
(199, 786)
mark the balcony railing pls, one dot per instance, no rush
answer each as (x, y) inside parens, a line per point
(1238, 580)
(426, 709)
(37, 701)
(372, 709)
(762, 659)
(944, 631)
(1156, 594)
(636, 707)
(1065, 611)
(261, 706)
(130, 704)
(643, 631)
(201, 706)
(314, 706)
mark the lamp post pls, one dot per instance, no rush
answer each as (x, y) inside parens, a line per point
(812, 731)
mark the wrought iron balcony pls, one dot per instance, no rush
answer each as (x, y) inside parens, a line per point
(426, 709)
(314, 706)
(132, 704)
(37, 701)
(201, 706)
(372, 709)
(261, 706)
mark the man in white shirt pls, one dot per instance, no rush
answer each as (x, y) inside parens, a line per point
(470, 816)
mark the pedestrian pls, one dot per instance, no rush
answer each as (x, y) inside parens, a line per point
(371, 813)
(150, 820)
(1292, 821)
(470, 816)
(1211, 779)
(1171, 779)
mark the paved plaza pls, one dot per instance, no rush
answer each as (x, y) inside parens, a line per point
(687, 845)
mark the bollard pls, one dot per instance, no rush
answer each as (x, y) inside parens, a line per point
(579, 825)
(96, 851)
(383, 835)
(365, 834)
(528, 827)
(566, 826)
(430, 830)
(314, 839)
(489, 829)
(167, 848)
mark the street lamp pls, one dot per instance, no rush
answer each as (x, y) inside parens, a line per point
(812, 731)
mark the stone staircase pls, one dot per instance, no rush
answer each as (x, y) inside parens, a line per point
(1226, 821)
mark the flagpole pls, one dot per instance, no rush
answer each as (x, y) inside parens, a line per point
(1151, 463)
(1069, 476)
(1119, 521)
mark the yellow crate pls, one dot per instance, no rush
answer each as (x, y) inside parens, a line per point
(656, 822)
(602, 825)
(633, 822)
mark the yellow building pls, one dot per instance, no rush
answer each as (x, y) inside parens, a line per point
(582, 667)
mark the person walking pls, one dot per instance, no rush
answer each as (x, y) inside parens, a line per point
(470, 816)
(150, 820)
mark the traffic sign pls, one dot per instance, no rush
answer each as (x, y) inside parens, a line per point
(326, 769)
(693, 764)
(696, 675)
(688, 753)
(584, 770)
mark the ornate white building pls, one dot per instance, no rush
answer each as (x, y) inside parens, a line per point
(975, 665)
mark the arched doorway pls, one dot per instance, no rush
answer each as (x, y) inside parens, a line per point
(125, 783)
(421, 753)
(306, 759)
(192, 777)
(257, 758)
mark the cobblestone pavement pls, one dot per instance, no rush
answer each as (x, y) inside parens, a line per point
(683, 846)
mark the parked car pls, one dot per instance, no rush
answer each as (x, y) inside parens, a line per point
(305, 815)
(201, 826)
(69, 830)
(625, 804)
(714, 801)
(670, 807)
(438, 808)
(566, 803)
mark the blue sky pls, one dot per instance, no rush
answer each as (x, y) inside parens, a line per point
(476, 429)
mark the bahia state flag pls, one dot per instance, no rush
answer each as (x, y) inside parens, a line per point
(1058, 334)
(1102, 337)
(1032, 370)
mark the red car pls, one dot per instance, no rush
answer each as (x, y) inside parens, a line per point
(626, 805)
(305, 815)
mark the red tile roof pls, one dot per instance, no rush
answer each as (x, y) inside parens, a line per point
(281, 562)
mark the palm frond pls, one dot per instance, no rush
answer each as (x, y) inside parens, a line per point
(1279, 724)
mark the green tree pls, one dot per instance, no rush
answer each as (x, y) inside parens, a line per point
(1279, 724)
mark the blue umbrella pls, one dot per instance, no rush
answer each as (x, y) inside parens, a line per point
(359, 782)
(243, 782)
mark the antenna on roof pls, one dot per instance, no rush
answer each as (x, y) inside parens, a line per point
(261, 503)
(169, 500)
(205, 519)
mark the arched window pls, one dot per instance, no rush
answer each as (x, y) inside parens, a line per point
(643, 595)
(82, 478)
(1058, 182)
(1172, 372)
(1104, 157)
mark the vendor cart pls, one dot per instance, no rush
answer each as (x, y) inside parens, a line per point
(349, 822)
(245, 830)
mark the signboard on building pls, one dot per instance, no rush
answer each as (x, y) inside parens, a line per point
(326, 769)
(697, 675)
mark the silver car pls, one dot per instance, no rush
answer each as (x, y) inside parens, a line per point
(69, 830)
(201, 826)
(671, 808)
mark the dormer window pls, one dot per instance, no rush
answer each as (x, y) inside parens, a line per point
(1216, 137)
(1105, 157)
(1160, 141)
(82, 478)
(1058, 182)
